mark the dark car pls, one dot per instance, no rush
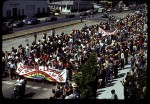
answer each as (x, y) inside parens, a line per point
(7, 29)
(70, 16)
(104, 15)
(52, 18)
(83, 14)
(18, 24)
(93, 11)
(31, 21)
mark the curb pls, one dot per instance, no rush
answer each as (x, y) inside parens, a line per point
(39, 29)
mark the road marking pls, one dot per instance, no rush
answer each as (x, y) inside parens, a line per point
(8, 82)
(36, 87)
(45, 89)
(28, 86)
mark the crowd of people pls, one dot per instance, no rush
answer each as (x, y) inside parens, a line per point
(69, 51)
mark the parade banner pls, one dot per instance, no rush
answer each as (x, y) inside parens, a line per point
(103, 32)
(42, 72)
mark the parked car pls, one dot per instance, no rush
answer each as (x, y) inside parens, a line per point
(93, 11)
(18, 24)
(101, 10)
(83, 14)
(125, 8)
(88, 11)
(7, 29)
(52, 18)
(109, 10)
(31, 21)
(10, 21)
(7, 24)
(56, 14)
(104, 15)
(70, 16)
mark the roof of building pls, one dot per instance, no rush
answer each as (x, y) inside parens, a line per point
(62, 3)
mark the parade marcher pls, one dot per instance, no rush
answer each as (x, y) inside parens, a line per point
(122, 60)
(12, 67)
(114, 95)
(20, 84)
(115, 68)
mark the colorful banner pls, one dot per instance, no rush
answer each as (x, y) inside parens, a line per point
(42, 72)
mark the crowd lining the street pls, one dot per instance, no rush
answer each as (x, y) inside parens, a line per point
(69, 51)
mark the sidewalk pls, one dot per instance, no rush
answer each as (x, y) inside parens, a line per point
(105, 93)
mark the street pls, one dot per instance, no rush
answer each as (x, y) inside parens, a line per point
(39, 90)
(34, 90)
(60, 19)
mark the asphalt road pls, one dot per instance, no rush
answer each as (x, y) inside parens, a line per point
(60, 19)
(43, 23)
(37, 90)
(34, 90)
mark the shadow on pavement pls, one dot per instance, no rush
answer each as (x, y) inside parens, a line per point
(98, 93)
(110, 81)
(29, 95)
(101, 91)
(110, 84)
(114, 80)
(127, 67)
(121, 75)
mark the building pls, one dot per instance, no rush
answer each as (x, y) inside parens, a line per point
(71, 5)
(15, 8)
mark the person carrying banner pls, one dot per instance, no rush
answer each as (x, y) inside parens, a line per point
(20, 86)
(12, 69)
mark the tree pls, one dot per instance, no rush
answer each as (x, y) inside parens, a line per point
(87, 82)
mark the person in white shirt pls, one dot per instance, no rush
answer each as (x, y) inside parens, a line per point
(122, 60)
(20, 84)
(12, 68)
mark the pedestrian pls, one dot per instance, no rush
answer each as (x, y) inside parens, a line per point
(126, 56)
(3, 65)
(35, 37)
(114, 95)
(12, 67)
(81, 18)
(103, 83)
(20, 84)
(125, 86)
(115, 68)
(122, 60)
(23, 85)
(53, 94)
